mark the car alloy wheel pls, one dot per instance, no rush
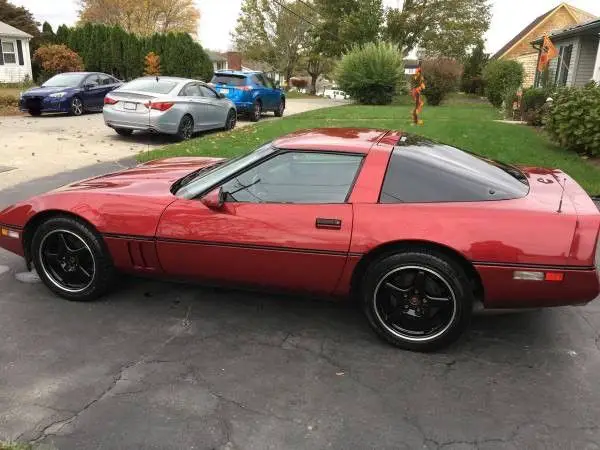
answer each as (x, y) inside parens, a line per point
(186, 128)
(257, 112)
(279, 111)
(231, 120)
(415, 303)
(67, 261)
(76, 106)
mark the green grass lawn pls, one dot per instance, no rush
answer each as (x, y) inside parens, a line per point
(465, 123)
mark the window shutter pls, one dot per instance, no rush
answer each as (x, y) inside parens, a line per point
(20, 53)
(1, 55)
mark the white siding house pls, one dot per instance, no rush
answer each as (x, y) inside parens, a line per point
(15, 59)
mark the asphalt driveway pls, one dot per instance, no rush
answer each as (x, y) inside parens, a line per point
(34, 147)
(166, 366)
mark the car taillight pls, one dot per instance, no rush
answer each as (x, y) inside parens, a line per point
(159, 106)
(110, 101)
(598, 255)
(245, 88)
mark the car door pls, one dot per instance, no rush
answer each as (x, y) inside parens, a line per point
(93, 92)
(285, 223)
(216, 109)
(193, 103)
(263, 93)
(108, 83)
(273, 93)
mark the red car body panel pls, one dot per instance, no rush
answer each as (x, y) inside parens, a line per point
(149, 230)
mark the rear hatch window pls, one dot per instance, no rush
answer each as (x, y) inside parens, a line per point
(229, 80)
(150, 85)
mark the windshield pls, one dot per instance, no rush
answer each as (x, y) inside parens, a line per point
(232, 80)
(65, 80)
(150, 85)
(207, 179)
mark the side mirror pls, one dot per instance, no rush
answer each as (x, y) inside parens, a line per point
(214, 199)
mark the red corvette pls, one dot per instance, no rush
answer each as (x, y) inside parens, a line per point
(417, 230)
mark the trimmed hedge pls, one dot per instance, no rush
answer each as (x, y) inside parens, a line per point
(502, 78)
(574, 119)
(442, 76)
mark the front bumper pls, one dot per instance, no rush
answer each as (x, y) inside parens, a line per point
(44, 104)
(155, 121)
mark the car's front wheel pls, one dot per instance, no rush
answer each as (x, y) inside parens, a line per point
(124, 131)
(76, 107)
(71, 259)
(35, 112)
(231, 120)
(279, 111)
(417, 300)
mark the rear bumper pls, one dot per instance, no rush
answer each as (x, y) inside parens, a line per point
(579, 286)
(244, 107)
(13, 244)
(166, 123)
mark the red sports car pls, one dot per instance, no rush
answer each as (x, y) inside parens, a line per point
(417, 230)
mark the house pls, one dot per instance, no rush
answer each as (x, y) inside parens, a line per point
(225, 61)
(15, 59)
(578, 60)
(519, 48)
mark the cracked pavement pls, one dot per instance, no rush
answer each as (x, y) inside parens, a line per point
(169, 366)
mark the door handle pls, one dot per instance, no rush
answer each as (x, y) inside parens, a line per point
(328, 224)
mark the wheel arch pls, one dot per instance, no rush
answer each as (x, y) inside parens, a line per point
(35, 221)
(407, 245)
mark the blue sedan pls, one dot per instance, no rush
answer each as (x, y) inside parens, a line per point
(72, 92)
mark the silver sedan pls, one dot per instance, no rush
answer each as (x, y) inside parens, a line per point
(176, 106)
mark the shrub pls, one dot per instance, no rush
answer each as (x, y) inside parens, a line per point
(473, 85)
(574, 119)
(58, 58)
(152, 64)
(501, 78)
(532, 105)
(442, 76)
(372, 73)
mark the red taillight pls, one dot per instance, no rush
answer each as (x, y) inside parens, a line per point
(554, 276)
(110, 101)
(159, 106)
(245, 88)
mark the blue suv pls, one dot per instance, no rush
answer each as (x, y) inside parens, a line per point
(252, 92)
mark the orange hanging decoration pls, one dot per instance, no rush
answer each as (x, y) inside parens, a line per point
(418, 83)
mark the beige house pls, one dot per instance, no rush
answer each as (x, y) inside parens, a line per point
(519, 48)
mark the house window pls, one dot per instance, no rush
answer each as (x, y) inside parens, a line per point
(564, 62)
(9, 52)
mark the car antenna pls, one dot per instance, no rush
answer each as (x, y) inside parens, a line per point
(562, 195)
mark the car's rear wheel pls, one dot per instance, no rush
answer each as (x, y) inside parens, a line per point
(231, 120)
(35, 112)
(124, 131)
(417, 300)
(71, 259)
(186, 128)
(76, 107)
(256, 113)
(279, 111)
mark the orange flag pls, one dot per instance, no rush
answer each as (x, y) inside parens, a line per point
(549, 52)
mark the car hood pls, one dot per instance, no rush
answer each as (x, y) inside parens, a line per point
(43, 91)
(151, 179)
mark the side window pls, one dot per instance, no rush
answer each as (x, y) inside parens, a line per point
(93, 80)
(256, 79)
(105, 80)
(268, 82)
(296, 177)
(207, 92)
(191, 90)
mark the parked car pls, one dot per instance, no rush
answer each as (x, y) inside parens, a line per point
(418, 231)
(334, 94)
(252, 92)
(71, 92)
(169, 105)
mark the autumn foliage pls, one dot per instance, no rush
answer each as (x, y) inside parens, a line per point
(152, 64)
(58, 58)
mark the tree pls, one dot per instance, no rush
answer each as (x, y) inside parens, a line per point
(143, 17)
(18, 17)
(344, 23)
(441, 78)
(273, 34)
(502, 78)
(58, 58)
(472, 81)
(152, 64)
(440, 27)
(317, 64)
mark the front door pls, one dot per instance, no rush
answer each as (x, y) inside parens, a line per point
(93, 92)
(285, 224)
(216, 108)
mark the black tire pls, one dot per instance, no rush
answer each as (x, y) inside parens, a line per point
(35, 112)
(444, 288)
(256, 113)
(279, 111)
(124, 131)
(83, 244)
(76, 107)
(186, 129)
(231, 120)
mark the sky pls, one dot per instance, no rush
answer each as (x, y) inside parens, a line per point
(218, 17)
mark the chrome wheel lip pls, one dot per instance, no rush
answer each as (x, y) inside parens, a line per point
(407, 337)
(77, 106)
(48, 273)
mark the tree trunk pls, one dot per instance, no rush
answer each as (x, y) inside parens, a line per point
(313, 83)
